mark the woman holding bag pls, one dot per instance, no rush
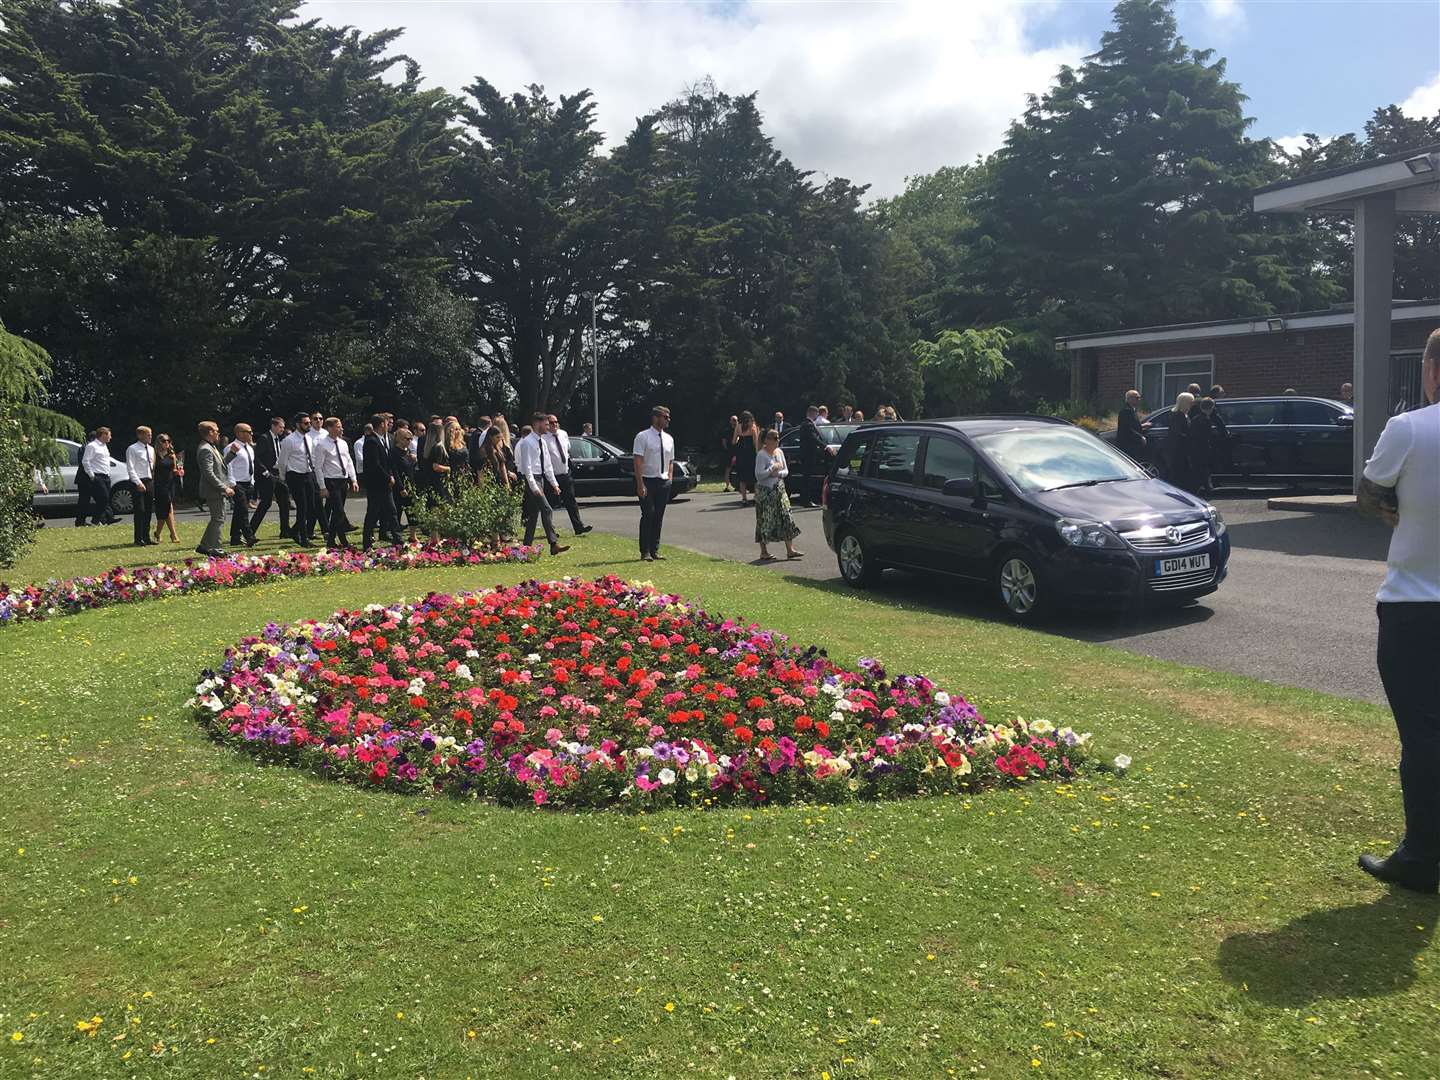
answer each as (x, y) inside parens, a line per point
(773, 520)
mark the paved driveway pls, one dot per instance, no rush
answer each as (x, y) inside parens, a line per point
(1298, 607)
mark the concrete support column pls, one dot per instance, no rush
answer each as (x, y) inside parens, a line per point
(1374, 285)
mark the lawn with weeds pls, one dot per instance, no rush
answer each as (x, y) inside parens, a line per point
(170, 907)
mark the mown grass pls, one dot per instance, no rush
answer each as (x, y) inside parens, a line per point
(1201, 917)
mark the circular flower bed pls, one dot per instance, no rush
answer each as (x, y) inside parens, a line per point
(594, 693)
(31, 603)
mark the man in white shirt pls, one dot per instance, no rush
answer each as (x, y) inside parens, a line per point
(140, 466)
(337, 471)
(654, 452)
(557, 446)
(297, 465)
(1401, 485)
(533, 465)
(92, 480)
(240, 465)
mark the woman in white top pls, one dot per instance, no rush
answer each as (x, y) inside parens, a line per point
(773, 520)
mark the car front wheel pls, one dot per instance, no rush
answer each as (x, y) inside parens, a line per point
(857, 566)
(1018, 586)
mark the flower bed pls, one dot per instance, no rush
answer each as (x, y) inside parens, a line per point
(593, 693)
(29, 603)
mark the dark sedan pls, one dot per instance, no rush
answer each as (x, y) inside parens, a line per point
(1285, 439)
(600, 468)
(1041, 512)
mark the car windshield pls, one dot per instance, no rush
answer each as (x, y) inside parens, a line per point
(1043, 460)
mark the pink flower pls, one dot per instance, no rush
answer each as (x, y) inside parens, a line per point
(539, 796)
(553, 735)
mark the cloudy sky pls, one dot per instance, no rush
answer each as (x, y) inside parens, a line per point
(878, 91)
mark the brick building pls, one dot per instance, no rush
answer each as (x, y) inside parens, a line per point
(1312, 351)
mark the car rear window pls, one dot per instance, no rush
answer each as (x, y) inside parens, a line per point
(1309, 412)
(946, 459)
(892, 458)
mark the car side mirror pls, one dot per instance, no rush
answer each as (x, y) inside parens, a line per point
(1345, 420)
(962, 487)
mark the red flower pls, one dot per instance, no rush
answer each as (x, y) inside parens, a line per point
(803, 723)
(744, 734)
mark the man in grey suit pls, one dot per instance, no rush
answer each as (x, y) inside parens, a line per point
(215, 487)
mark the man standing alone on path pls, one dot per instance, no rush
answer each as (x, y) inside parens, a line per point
(654, 468)
(1129, 437)
(214, 487)
(1401, 485)
(533, 465)
(557, 444)
(140, 464)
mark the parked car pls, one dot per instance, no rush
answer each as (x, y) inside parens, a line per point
(833, 434)
(1041, 512)
(1284, 438)
(56, 488)
(599, 467)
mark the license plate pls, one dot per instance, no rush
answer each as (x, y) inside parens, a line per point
(1183, 564)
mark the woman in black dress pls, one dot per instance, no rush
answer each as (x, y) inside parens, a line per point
(402, 466)
(459, 458)
(745, 441)
(168, 471)
(1177, 439)
(493, 464)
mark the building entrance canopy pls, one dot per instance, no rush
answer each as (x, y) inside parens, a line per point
(1374, 193)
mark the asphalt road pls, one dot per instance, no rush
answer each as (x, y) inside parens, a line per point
(1297, 609)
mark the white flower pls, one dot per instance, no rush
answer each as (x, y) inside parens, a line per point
(471, 654)
(843, 705)
(416, 687)
(941, 698)
(462, 671)
(1122, 761)
(692, 774)
(667, 776)
(1041, 727)
(532, 658)
(213, 703)
(836, 717)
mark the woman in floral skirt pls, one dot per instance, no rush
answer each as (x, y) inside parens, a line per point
(773, 520)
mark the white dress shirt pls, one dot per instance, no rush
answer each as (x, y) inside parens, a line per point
(557, 454)
(241, 466)
(296, 454)
(96, 459)
(533, 464)
(658, 450)
(335, 462)
(1407, 458)
(140, 462)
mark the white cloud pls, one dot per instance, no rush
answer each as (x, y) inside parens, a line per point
(1224, 12)
(870, 91)
(1293, 144)
(1424, 101)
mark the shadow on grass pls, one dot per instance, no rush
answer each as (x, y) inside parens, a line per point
(1360, 951)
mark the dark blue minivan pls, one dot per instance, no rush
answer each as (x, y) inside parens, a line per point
(1040, 511)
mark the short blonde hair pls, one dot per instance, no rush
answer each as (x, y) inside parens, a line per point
(205, 427)
(142, 430)
(1184, 401)
(1432, 347)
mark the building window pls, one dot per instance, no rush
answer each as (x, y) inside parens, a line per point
(1406, 392)
(1161, 381)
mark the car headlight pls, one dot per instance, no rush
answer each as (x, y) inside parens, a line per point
(1087, 534)
(1217, 521)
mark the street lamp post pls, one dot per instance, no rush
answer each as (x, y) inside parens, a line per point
(594, 367)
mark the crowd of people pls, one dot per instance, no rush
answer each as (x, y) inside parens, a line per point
(307, 469)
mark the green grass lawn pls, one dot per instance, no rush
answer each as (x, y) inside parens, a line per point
(1201, 917)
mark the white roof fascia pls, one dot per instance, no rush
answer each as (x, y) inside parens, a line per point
(1340, 191)
(1252, 326)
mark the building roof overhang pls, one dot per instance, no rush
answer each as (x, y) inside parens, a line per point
(1413, 176)
(1402, 311)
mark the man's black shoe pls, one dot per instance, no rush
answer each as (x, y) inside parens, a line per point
(656, 555)
(1397, 869)
(583, 529)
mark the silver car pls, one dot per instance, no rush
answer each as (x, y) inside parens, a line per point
(55, 489)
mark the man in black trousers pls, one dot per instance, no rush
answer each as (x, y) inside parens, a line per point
(298, 466)
(1399, 486)
(815, 454)
(654, 452)
(378, 479)
(557, 444)
(269, 480)
(1129, 437)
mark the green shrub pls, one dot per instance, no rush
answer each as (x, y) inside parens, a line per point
(479, 515)
(17, 485)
